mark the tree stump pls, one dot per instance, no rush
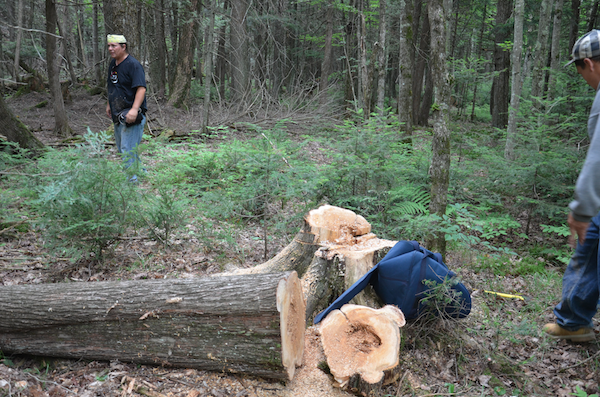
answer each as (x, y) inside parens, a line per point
(251, 324)
(361, 340)
(333, 249)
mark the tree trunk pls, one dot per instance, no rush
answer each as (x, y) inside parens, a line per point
(327, 54)
(555, 50)
(593, 15)
(440, 161)
(540, 55)
(279, 61)
(15, 131)
(364, 93)
(406, 60)
(83, 64)
(477, 68)
(511, 133)
(124, 17)
(500, 86)
(252, 324)
(208, 65)
(66, 43)
(240, 60)
(361, 340)
(61, 123)
(421, 62)
(382, 58)
(574, 24)
(221, 65)
(97, 58)
(18, 41)
(427, 97)
(185, 58)
(157, 50)
(350, 54)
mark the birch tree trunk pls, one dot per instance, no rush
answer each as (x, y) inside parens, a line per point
(511, 133)
(540, 54)
(555, 50)
(382, 59)
(440, 161)
(61, 122)
(406, 61)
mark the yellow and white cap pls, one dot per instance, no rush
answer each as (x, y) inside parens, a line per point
(116, 38)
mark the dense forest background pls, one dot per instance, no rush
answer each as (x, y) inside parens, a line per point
(367, 55)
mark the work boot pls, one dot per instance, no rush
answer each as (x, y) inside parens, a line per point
(583, 334)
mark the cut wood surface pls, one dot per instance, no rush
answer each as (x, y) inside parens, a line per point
(361, 340)
(250, 323)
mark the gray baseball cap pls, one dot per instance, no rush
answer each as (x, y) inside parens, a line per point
(588, 46)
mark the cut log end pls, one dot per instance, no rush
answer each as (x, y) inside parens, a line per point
(361, 340)
(334, 224)
(292, 308)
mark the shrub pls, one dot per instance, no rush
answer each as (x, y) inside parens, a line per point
(85, 200)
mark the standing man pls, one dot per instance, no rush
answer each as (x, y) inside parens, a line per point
(581, 281)
(126, 99)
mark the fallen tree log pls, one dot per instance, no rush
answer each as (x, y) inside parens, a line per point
(359, 340)
(237, 322)
(250, 323)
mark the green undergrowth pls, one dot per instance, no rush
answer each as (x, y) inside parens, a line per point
(512, 212)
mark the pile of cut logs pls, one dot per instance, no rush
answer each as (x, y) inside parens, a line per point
(250, 321)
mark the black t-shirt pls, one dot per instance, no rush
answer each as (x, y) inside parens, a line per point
(123, 80)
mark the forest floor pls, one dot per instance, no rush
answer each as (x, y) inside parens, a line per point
(497, 350)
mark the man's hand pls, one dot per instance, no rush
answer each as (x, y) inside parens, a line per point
(578, 229)
(108, 110)
(131, 115)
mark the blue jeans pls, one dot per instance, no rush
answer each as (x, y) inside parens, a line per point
(128, 139)
(580, 283)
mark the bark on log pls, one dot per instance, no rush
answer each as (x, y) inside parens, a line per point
(252, 323)
(16, 131)
(361, 340)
